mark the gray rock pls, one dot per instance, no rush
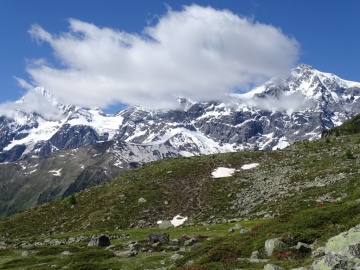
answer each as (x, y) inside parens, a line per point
(66, 253)
(242, 231)
(158, 238)
(272, 245)
(354, 250)
(190, 241)
(125, 254)
(320, 251)
(166, 224)
(272, 267)
(176, 257)
(334, 262)
(27, 253)
(341, 243)
(238, 226)
(195, 246)
(341, 252)
(189, 263)
(254, 255)
(142, 200)
(99, 241)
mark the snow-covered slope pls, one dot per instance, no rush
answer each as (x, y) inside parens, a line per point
(271, 116)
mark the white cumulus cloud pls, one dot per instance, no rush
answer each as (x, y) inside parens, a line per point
(32, 102)
(198, 52)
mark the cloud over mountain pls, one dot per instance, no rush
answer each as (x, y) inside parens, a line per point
(198, 52)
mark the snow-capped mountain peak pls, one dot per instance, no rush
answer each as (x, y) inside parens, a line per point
(275, 114)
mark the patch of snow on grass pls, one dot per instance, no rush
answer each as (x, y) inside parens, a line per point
(56, 173)
(222, 172)
(178, 220)
(249, 166)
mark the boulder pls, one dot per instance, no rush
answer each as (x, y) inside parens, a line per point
(166, 224)
(341, 252)
(99, 241)
(158, 238)
(334, 261)
(272, 245)
(345, 243)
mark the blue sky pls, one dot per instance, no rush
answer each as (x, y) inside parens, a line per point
(324, 34)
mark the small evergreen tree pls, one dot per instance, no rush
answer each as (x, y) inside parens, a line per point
(72, 199)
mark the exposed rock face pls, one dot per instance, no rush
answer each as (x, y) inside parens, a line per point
(99, 241)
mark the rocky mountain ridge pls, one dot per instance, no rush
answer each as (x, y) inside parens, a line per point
(271, 116)
(65, 148)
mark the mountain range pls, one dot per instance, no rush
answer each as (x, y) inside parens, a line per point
(61, 149)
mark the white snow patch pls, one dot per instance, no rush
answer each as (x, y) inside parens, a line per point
(178, 220)
(56, 173)
(249, 166)
(283, 143)
(222, 172)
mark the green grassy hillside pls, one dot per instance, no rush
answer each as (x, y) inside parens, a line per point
(306, 192)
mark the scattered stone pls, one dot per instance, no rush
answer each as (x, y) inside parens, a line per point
(195, 246)
(66, 253)
(272, 267)
(176, 257)
(142, 200)
(158, 238)
(231, 230)
(111, 247)
(189, 263)
(27, 253)
(272, 245)
(254, 255)
(303, 248)
(166, 224)
(242, 231)
(238, 226)
(125, 254)
(99, 241)
(190, 241)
